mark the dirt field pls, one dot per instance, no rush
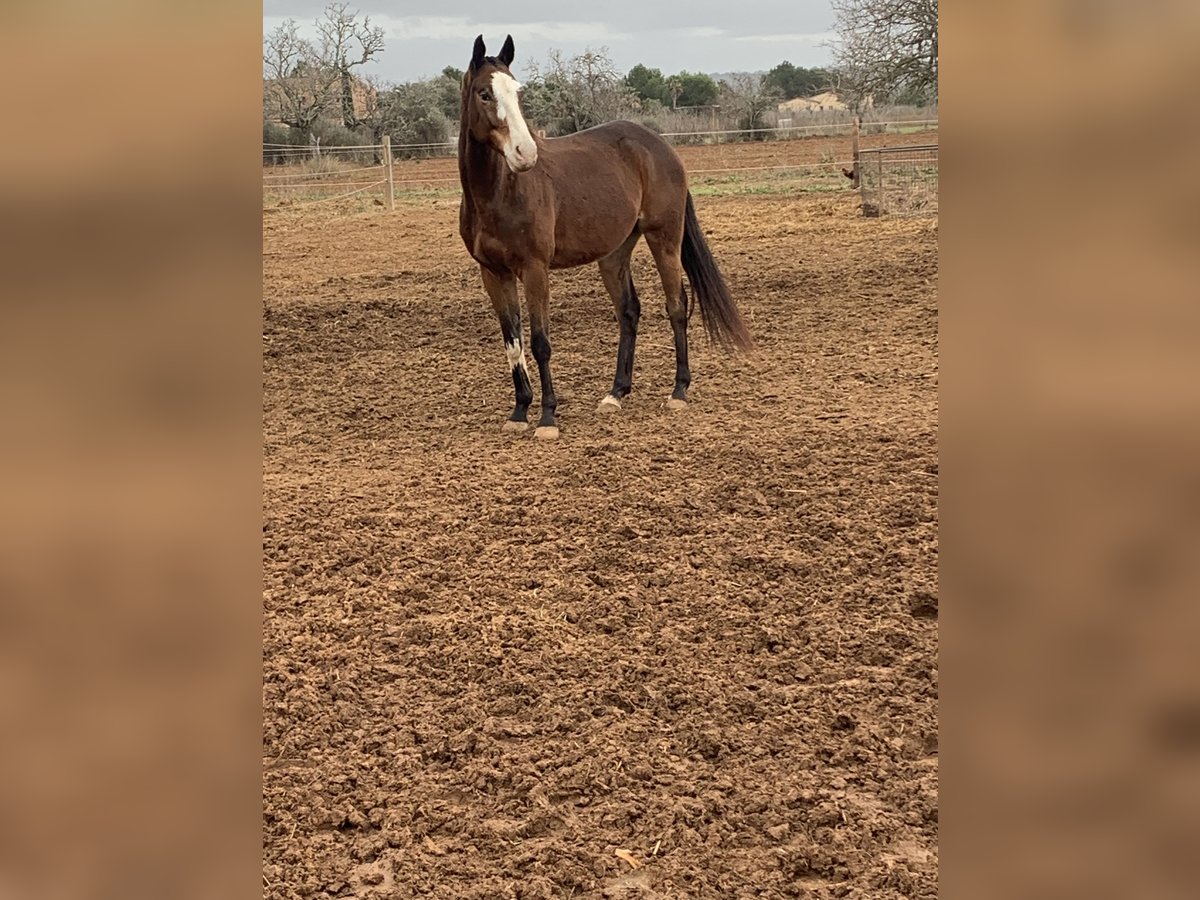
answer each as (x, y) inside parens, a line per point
(706, 640)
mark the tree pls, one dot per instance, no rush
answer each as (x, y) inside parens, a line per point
(751, 96)
(297, 86)
(374, 104)
(411, 113)
(568, 95)
(449, 92)
(888, 47)
(606, 97)
(790, 81)
(674, 88)
(648, 84)
(304, 80)
(548, 96)
(346, 43)
(695, 89)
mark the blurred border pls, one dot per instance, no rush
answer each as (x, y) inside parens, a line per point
(130, 629)
(1071, 503)
(130, 353)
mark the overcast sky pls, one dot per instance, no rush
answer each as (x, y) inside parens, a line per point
(424, 36)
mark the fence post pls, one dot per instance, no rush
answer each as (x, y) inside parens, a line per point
(854, 144)
(387, 165)
(880, 195)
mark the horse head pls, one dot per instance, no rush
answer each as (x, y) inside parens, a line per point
(491, 110)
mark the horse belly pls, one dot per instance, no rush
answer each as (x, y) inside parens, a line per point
(588, 232)
(569, 258)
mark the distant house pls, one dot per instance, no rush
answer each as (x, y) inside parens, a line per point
(826, 100)
(818, 103)
(795, 105)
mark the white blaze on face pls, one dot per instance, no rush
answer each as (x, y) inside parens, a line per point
(520, 152)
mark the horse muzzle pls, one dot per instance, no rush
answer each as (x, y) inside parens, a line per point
(522, 159)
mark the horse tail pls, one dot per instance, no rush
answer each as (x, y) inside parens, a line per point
(722, 320)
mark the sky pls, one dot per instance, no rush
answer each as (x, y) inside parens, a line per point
(714, 36)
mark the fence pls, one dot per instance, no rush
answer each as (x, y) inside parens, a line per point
(286, 154)
(320, 174)
(717, 162)
(793, 132)
(899, 181)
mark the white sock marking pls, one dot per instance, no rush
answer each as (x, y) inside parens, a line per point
(516, 355)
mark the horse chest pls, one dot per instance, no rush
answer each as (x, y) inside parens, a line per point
(505, 244)
(491, 250)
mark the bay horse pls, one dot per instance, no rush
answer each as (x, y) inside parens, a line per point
(530, 205)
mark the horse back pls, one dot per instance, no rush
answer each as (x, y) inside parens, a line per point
(605, 181)
(620, 150)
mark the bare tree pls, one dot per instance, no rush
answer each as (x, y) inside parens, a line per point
(297, 85)
(570, 95)
(887, 47)
(304, 80)
(601, 83)
(345, 42)
(751, 95)
(374, 109)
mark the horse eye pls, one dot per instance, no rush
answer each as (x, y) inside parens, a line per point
(486, 95)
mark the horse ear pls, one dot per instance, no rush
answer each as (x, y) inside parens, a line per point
(478, 53)
(506, 52)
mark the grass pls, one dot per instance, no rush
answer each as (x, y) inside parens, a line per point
(769, 183)
(411, 195)
(349, 205)
(764, 189)
(289, 186)
(274, 201)
(704, 186)
(287, 199)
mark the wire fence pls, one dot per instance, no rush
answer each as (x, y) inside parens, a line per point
(297, 154)
(289, 154)
(793, 132)
(899, 181)
(892, 180)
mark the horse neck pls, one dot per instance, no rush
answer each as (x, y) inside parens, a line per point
(464, 164)
(480, 169)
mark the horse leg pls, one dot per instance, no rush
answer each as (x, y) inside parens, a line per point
(502, 289)
(666, 244)
(618, 280)
(536, 278)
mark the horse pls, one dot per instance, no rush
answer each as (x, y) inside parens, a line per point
(530, 205)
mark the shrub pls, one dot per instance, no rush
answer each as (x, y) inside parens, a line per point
(337, 135)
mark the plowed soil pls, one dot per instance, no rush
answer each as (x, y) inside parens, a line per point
(707, 640)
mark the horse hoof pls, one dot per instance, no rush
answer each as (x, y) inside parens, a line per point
(609, 404)
(515, 425)
(676, 404)
(546, 433)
